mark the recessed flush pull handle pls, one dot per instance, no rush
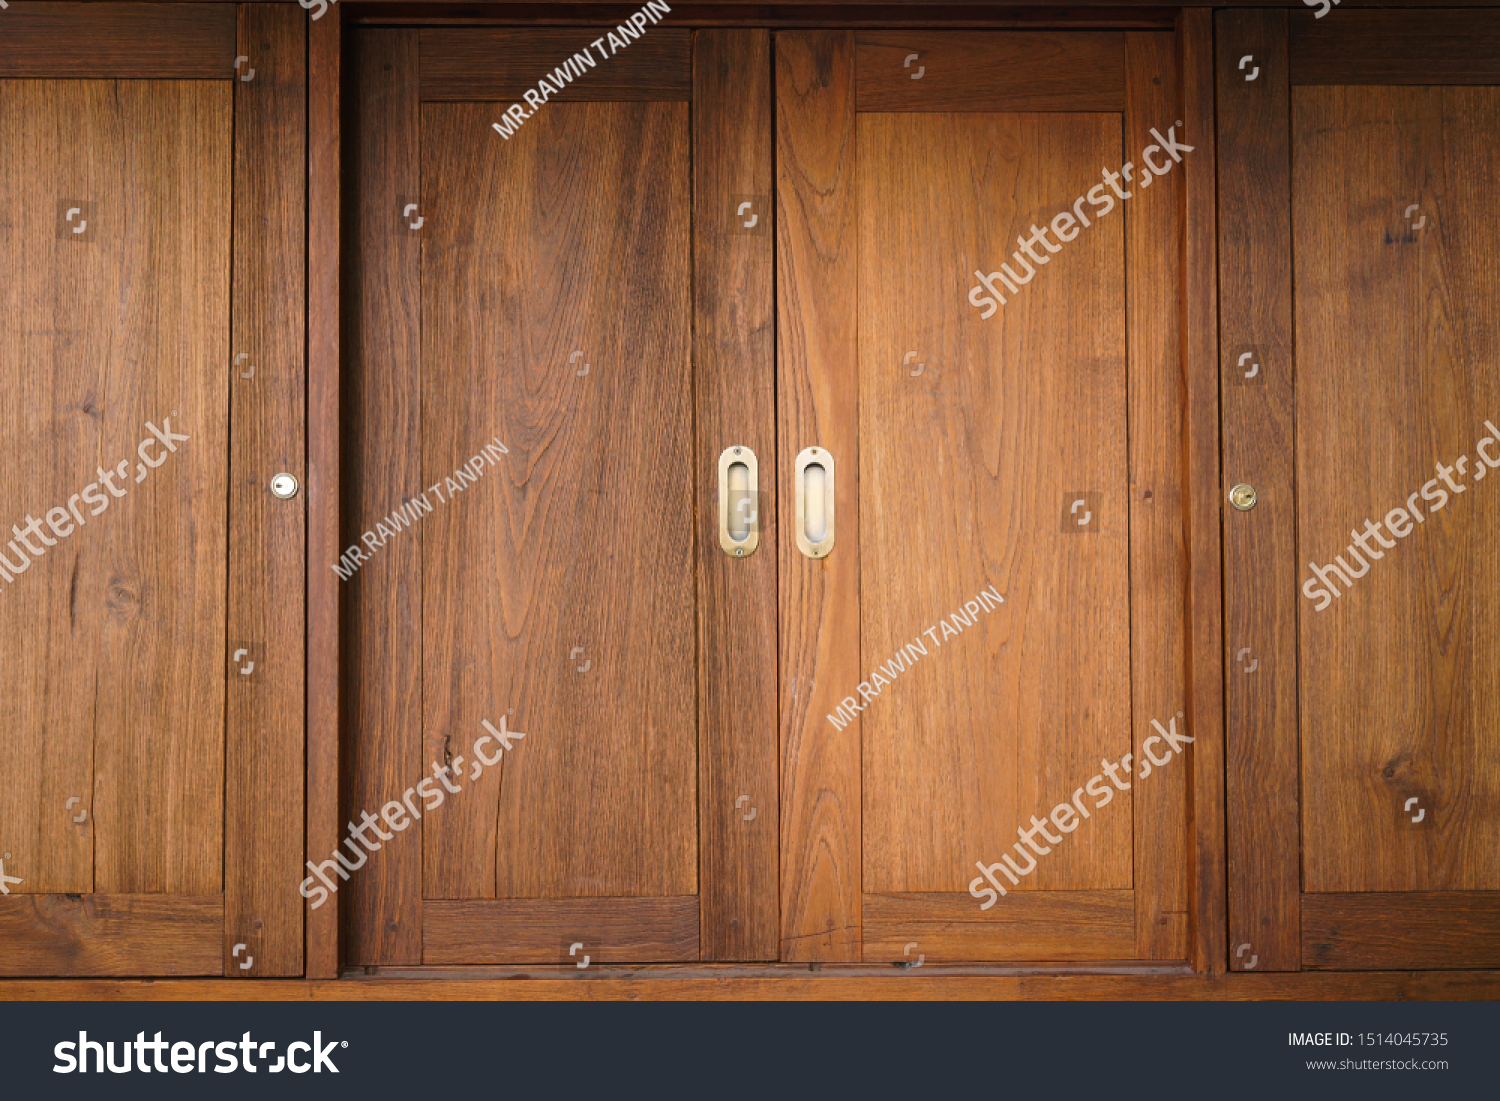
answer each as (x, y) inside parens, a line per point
(814, 481)
(739, 502)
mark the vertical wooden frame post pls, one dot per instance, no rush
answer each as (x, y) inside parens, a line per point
(1260, 544)
(324, 45)
(817, 406)
(734, 392)
(1200, 426)
(264, 731)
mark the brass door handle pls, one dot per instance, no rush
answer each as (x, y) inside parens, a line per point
(813, 478)
(739, 502)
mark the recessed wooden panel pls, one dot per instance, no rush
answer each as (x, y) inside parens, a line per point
(492, 63)
(1158, 559)
(734, 395)
(966, 477)
(1260, 601)
(113, 707)
(382, 701)
(1410, 931)
(991, 71)
(144, 934)
(558, 590)
(537, 930)
(263, 715)
(1398, 46)
(1026, 925)
(816, 394)
(1395, 214)
(100, 41)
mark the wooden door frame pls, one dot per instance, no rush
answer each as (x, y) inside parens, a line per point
(1193, 36)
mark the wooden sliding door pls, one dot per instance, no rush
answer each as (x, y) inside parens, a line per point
(978, 672)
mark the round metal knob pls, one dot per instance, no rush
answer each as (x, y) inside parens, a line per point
(1242, 497)
(284, 486)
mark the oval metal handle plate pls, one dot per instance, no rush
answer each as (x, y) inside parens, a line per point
(739, 502)
(814, 521)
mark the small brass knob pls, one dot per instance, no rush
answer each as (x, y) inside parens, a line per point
(1242, 497)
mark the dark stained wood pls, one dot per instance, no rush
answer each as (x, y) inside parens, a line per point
(1158, 554)
(734, 393)
(1400, 678)
(324, 48)
(964, 71)
(117, 41)
(484, 63)
(114, 703)
(111, 934)
(559, 586)
(381, 715)
(1409, 930)
(1081, 982)
(1012, 710)
(1260, 564)
(1366, 46)
(817, 405)
(264, 760)
(541, 930)
(1201, 499)
(1044, 925)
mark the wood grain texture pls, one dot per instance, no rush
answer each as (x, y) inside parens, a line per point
(110, 934)
(1410, 930)
(1396, 47)
(115, 698)
(582, 536)
(734, 331)
(264, 740)
(324, 50)
(1083, 982)
(117, 41)
(1158, 552)
(1400, 687)
(1026, 925)
(965, 71)
(1260, 546)
(491, 63)
(382, 451)
(1201, 499)
(817, 383)
(535, 930)
(964, 480)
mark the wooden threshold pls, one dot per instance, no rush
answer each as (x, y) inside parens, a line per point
(831, 983)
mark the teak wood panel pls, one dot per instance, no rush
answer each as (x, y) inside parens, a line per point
(1158, 551)
(1028, 925)
(532, 930)
(489, 63)
(1198, 310)
(558, 590)
(1398, 372)
(1398, 46)
(381, 715)
(263, 715)
(1409, 930)
(1260, 545)
(105, 934)
(993, 71)
(171, 41)
(113, 706)
(964, 473)
(734, 396)
(817, 406)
